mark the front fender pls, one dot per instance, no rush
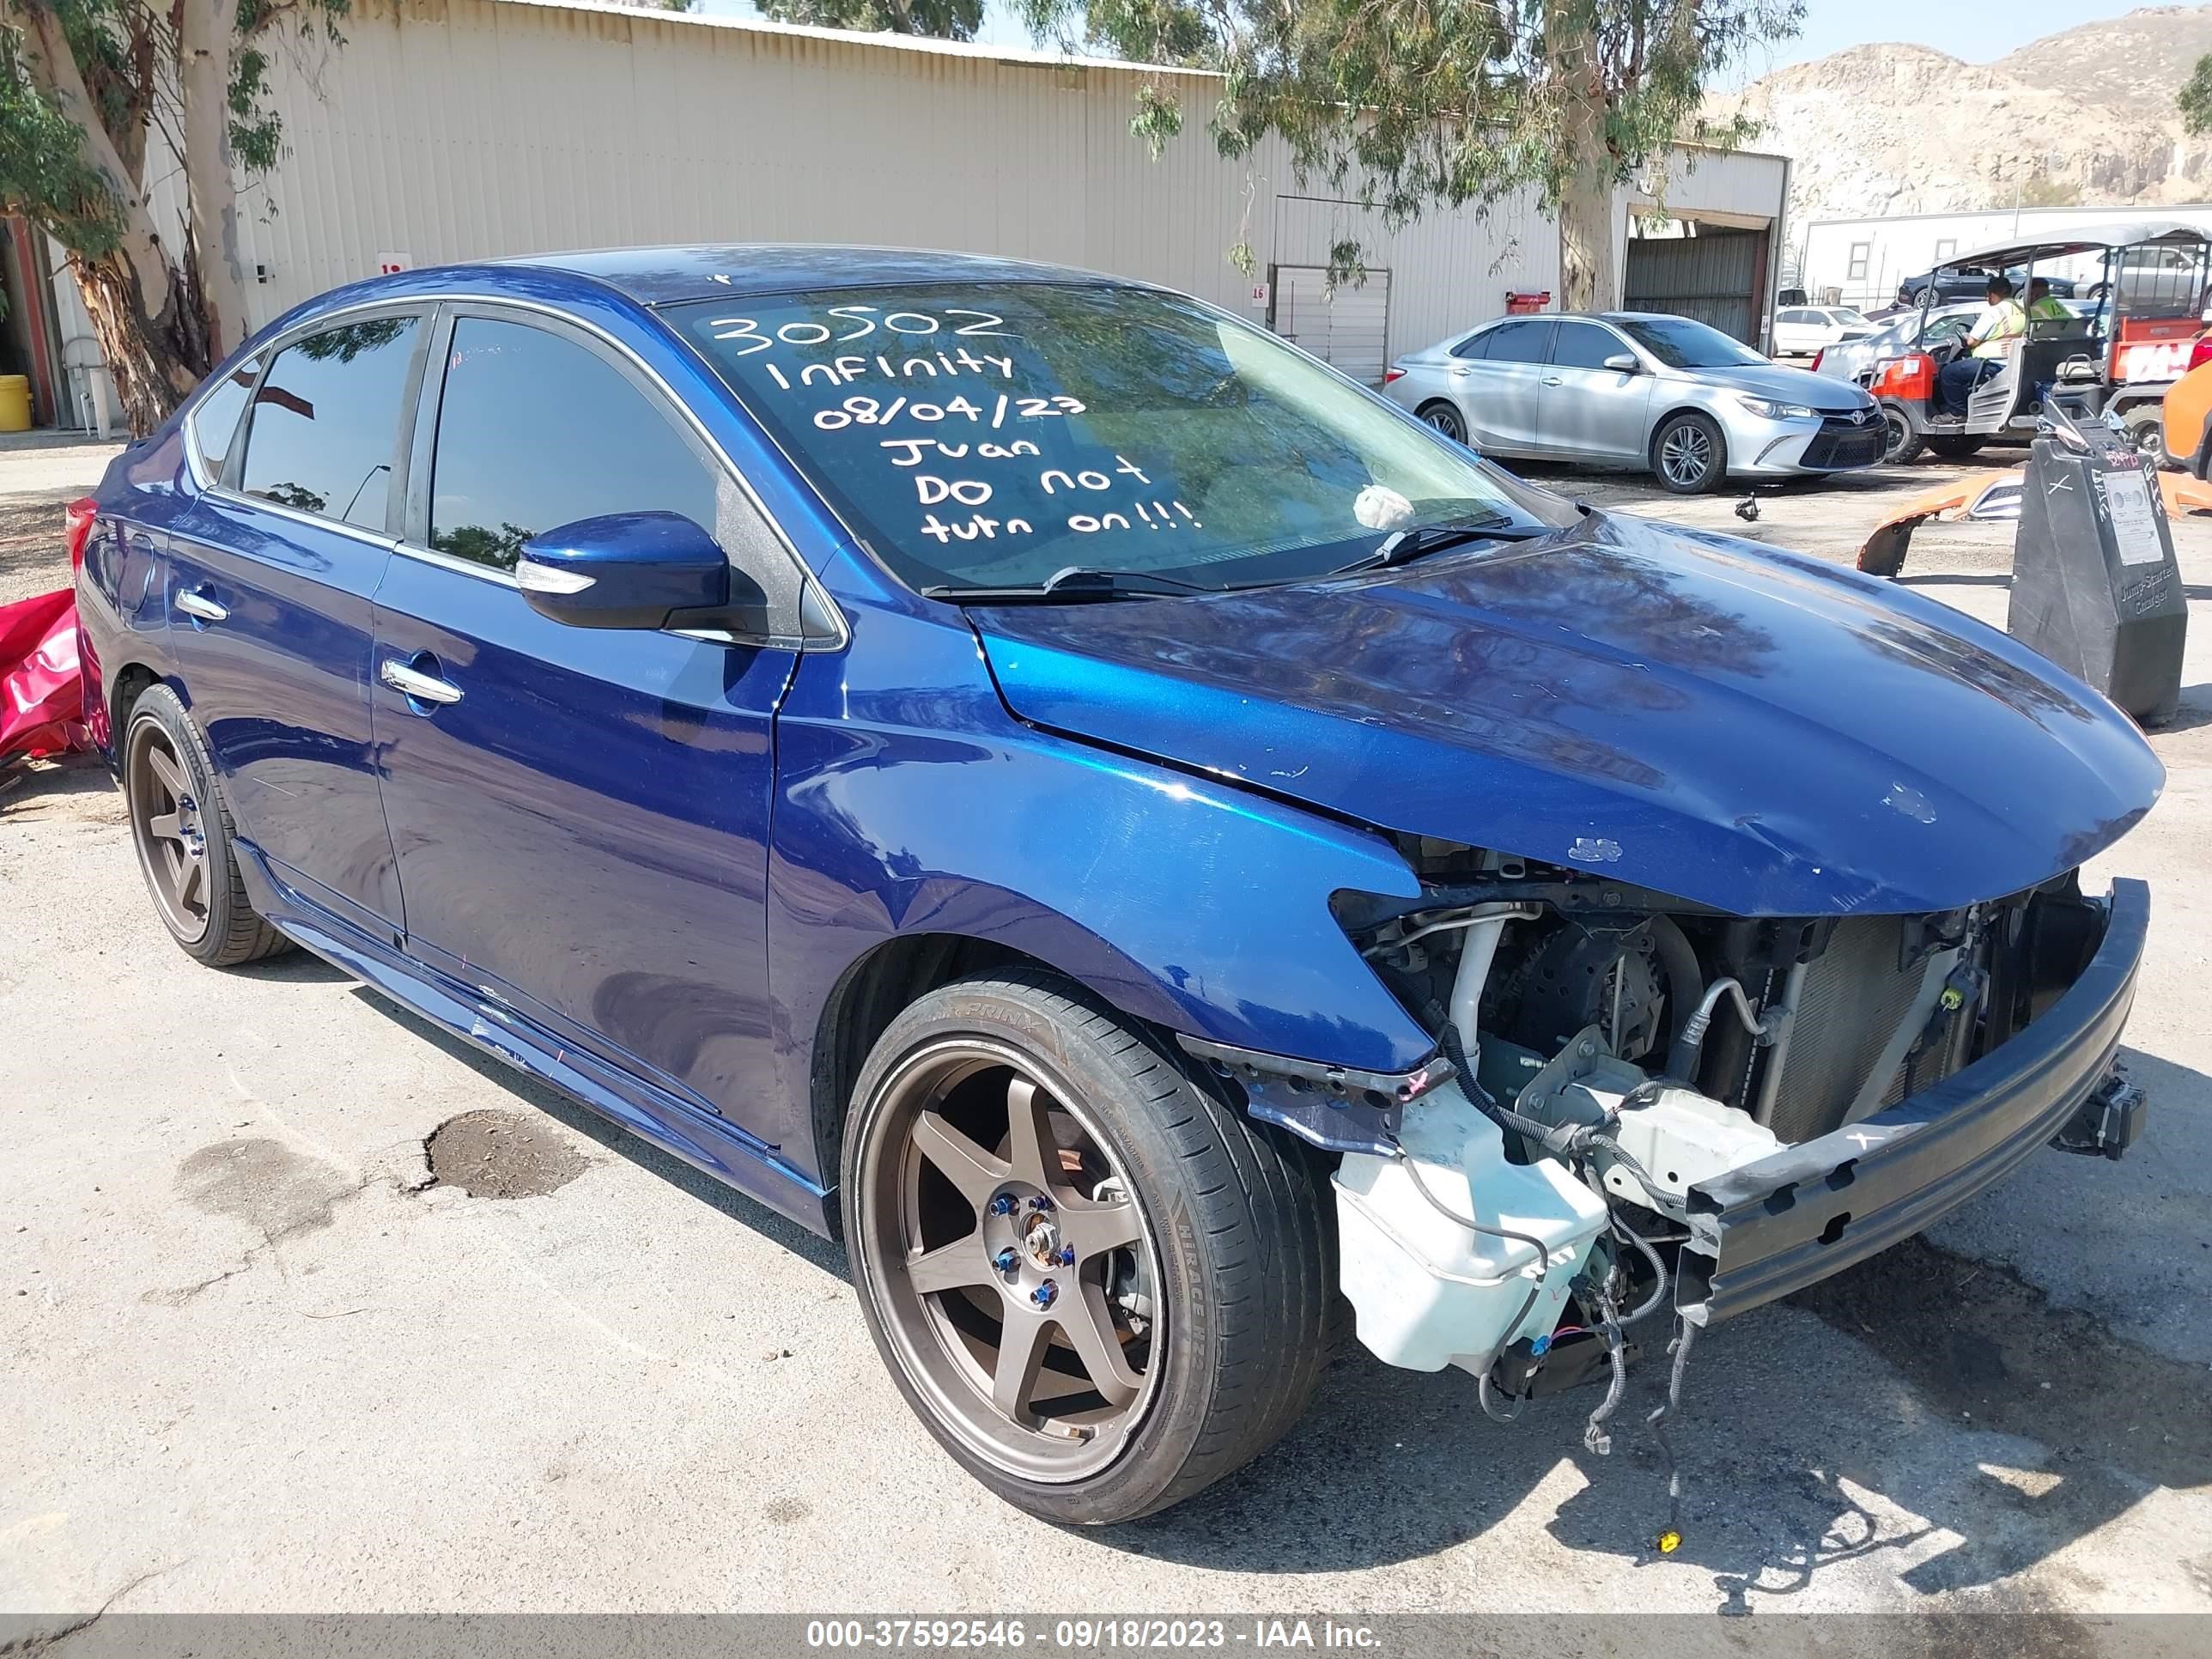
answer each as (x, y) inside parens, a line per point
(1197, 905)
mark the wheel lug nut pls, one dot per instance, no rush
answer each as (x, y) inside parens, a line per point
(1040, 1204)
(1005, 1260)
(1045, 1294)
(1003, 1203)
(1067, 1256)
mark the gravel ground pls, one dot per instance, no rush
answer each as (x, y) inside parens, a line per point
(265, 1351)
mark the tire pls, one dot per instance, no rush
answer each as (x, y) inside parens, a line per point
(1446, 418)
(1688, 455)
(181, 826)
(2146, 430)
(1901, 441)
(1230, 1250)
(1953, 446)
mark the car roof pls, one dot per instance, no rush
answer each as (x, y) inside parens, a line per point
(666, 275)
(2086, 238)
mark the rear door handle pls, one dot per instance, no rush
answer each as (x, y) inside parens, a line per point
(198, 604)
(416, 684)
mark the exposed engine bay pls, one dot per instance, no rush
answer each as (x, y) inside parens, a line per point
(1612, 1051)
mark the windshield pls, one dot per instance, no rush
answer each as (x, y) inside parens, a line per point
(1681, 343)
(994, 437)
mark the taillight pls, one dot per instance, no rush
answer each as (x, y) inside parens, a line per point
(1393, 373)
(2202, 351)
(1817, 356)
(76, 526)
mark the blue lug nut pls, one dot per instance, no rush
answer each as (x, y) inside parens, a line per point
(1045, 1294)
(1067, 1256)
(1005, 1260)
(1040, 1204)
(1003, 1203)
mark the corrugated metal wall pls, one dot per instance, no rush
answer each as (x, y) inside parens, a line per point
(447, 130)
(1713, 277)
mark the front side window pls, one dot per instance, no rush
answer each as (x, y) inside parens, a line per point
(325, 426)
(1584, 345)
(994, 437)
(535, 431)
(215, 418)
(1679, 343)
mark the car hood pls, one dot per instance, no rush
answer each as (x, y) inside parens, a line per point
(1747, 729)
(1794, 386)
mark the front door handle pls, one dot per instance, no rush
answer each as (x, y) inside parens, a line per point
(414, 684)
(198, 604)
(1554, 380)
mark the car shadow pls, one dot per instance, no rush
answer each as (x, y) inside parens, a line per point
(773, 1226)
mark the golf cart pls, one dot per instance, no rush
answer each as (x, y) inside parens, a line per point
(2115, 358)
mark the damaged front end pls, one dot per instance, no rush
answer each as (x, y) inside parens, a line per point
(1639, 1100)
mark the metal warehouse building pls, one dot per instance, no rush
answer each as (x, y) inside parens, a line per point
(1862, 261)
(451, 130)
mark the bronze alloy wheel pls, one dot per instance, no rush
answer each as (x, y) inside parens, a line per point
(1010, 1261)
(166, 825)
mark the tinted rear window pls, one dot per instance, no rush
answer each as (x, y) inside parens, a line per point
(215, 418)
(326, 423)
(1521, 341)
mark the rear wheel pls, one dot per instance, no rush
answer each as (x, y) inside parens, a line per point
(1101, 1286)
(181, 826)
(1954, 446)
(1446, 419)
(1688, 454)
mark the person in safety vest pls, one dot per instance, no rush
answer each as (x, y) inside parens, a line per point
(2002, 321)
(2042, 304)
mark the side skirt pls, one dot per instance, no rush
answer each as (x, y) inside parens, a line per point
(705, 1142)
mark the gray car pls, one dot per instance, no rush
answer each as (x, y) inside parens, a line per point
(1639, 389)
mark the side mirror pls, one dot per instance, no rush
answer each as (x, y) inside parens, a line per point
(1623, 362)
(637, 570)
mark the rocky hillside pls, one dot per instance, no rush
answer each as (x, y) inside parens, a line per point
(2085, 118)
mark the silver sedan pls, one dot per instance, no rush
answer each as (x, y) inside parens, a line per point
(1639, 389)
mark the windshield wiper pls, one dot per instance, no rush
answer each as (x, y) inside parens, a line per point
(1075, 582)
(1423, 539)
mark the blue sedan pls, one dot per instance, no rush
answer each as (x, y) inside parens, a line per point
(1139, 835)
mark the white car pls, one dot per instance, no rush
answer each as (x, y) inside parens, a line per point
(1801, 331)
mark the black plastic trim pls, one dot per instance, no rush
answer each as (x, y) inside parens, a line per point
(1792, 1220)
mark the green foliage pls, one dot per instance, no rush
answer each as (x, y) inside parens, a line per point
(43, 172)
(126, 52)
(948, 20)
(2196, 98)
(257, 133)
(1401, 103)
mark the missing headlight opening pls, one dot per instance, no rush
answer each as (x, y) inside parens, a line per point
(1623, 1077)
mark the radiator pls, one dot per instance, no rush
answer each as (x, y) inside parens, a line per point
(1849, 1008)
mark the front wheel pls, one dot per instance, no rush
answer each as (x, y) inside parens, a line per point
(1688, 454)
(2145, 429)
(1098, 1284)
(1900, 439)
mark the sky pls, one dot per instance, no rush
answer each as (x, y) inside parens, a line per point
(1976, 33)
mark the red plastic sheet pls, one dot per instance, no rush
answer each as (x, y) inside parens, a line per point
(41, 691)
